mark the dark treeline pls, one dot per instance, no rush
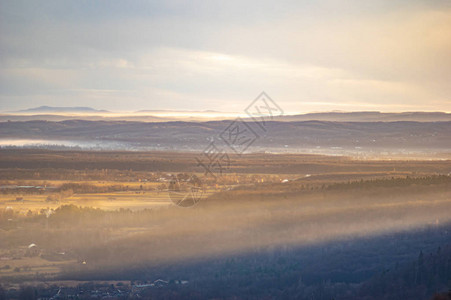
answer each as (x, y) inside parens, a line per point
(411, 264)
(430, 272)
(392, 182)
(299, 188)
(367, 268)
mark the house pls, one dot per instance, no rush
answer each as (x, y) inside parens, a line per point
(32, 250)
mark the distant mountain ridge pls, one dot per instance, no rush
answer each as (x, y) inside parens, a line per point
(54, 109)
(177, 111)
(369, 116)
(87, 113)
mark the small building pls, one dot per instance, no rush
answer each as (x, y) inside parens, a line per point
(32, 250)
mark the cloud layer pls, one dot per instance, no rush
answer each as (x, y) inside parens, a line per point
(309, 56)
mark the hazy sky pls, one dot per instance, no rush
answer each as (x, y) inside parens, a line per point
(219, 55)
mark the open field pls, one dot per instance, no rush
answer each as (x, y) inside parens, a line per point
(138, 180)
(77, 217)
(133, 166)
(108, 201)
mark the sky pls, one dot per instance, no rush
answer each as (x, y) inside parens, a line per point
(308, 56)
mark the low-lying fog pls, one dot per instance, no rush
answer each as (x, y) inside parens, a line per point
(231, 222)
(359, 152)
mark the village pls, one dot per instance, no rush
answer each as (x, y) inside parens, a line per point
(91, 289)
